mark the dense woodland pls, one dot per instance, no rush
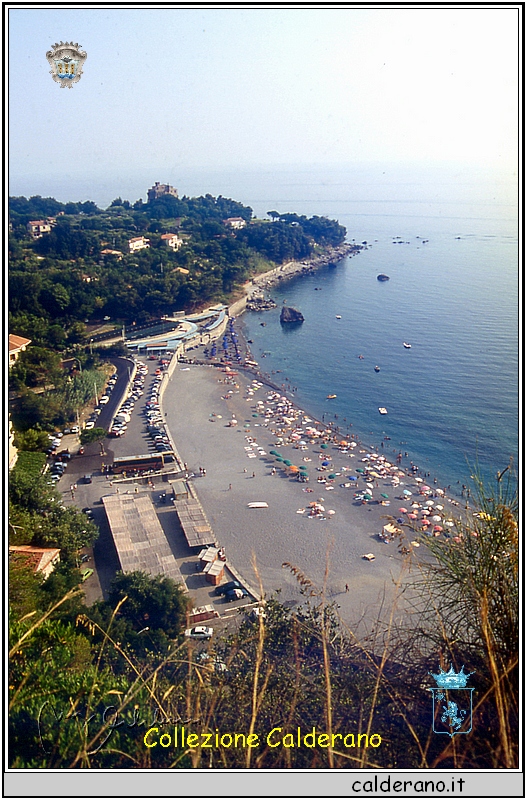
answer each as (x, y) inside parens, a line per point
(60, 281)
(85, 684)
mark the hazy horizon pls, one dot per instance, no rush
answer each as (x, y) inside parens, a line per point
(172, 90)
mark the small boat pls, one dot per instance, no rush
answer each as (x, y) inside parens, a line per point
(257, 505)
(383, 277)
(338, 316)
(408, 346)
(382, 410)
(331, 396)
(377, 369)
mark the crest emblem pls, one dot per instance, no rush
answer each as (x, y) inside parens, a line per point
(66, 61)
(451, 702)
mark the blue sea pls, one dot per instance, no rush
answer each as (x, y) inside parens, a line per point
(448, 240)
(452, 399)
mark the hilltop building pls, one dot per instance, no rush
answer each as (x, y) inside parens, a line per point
(160, 190)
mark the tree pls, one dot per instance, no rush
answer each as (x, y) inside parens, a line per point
(31, 440)
(93, 435)
(154, 602)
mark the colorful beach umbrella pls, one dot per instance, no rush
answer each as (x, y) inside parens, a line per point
(384, 495)
(403, 510)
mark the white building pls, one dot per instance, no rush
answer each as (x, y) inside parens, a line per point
(235, 222)
(138, 243)
(172, 240)
(38, 228)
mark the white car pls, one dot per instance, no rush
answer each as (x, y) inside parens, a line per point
(104, 399)
(89, 425)
(199, 632)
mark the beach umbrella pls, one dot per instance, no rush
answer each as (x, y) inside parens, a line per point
(400, 520)
(367, 496)
(330, 512)
(412, 516)
(279, 458)
(273, 452)
(429, 503)
(425, 522)
(406, 492)
(418, 480)
(425, 488)
(403, 510)
(436, 518)
(359, 470)
(384, 495)
(439, 508)
(332, 475)
(438, 528)
(287, 462)
(449, 523)
(369, 485)
(303, 469)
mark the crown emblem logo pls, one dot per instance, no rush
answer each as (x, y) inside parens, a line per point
(66, 60)
(452, 679)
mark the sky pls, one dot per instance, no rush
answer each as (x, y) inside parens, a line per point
(170, 88)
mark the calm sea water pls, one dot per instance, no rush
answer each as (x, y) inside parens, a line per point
(452, 399)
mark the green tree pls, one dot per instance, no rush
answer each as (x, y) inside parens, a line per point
(156, 602)
(93, 435)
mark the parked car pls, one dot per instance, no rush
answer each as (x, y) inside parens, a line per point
(89, 425)
(235, 594)
(226, 587)
(104, 399)
(85, 574)
(88, 478)
(199, 632)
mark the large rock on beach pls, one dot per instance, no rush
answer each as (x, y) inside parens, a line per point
(289, 314)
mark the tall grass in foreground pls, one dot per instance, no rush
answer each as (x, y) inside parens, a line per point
(81, 698)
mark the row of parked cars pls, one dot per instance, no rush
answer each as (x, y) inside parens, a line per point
(105, 398)
(154, 419)
(122, 418)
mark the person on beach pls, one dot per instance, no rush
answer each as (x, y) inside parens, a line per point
(347, 588)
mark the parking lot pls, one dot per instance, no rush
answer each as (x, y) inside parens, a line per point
(143, 432)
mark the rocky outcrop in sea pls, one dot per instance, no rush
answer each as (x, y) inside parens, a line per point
(289, 314)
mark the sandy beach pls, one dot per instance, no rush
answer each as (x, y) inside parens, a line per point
(227, 425)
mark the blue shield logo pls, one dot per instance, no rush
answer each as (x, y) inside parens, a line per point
(451, 702)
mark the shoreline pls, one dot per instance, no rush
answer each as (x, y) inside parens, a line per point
(265, 280)
(286, 531)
